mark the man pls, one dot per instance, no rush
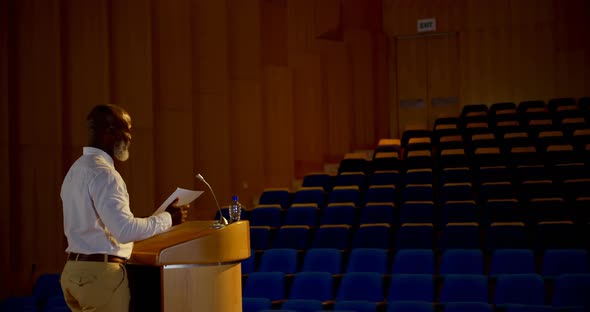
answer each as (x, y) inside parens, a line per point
(98, 222)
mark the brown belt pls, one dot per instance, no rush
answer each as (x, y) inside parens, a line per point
(96, 258)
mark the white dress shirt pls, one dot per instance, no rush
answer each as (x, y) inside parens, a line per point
(97, 217)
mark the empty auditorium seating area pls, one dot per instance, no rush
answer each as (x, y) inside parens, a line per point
(487, 211)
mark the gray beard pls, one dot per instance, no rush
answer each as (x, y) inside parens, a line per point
(121, 151)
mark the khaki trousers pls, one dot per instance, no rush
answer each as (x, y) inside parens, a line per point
(95, 286)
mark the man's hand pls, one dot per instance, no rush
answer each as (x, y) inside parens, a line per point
(179, 214)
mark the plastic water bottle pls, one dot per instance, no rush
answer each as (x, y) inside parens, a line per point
(235, 209)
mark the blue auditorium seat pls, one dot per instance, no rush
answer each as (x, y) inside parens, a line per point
(279, 260)
(415, 236)
(413, 261)
(316, 179)
(367, 260)
(270, 285)
(462, 261)
(306, 195)
(339, 213)
(464, 288)
(417, 212)
(292, 236)
(302, 214)
(266, 215)
(332, 236)
(374, 235)
(351, 179)
(526, 289)
(345, 194)
(322, 260)
(512, 261)
(460, 235)
(380, 194)
(411, 287)
(385, 177)
(260, 237)
(377, 213)
(564, 261)
(366, 286)
(275, 196)
(571, 291)
(312, 285)
(249, 264)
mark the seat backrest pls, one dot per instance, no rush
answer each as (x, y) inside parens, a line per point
(411, 287)
(332, 236)
(464, 288)
(361, 286)
(374, 235)
(512, 261)
(565, 261)
(413, 261)
(322, 260)
(292, 236)
(270, 285)
(571, 290)
(279, 260)
(312, 285)
(367, 260)
(519, 289)
(461, 261)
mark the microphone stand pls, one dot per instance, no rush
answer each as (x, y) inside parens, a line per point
(222, 222)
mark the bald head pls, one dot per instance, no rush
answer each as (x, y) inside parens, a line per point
(108, 125)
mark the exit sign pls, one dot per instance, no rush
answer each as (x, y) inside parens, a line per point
(427, 24)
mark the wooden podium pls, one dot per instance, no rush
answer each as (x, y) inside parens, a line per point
(191, 267)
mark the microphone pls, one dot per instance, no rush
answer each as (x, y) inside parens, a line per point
(222, 222)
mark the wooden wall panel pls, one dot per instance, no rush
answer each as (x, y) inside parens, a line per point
(87, 75)
(308, 113)
(360, 45)
(533, 66)
(211, 45)
(273, 32)
(36, 127)
(278, 126)
(213, 151)
(171, 124)
(5, 188)
(245, 120)
(244, 39)
(131, 87)
(337, 98)
(381, 85)
(245, 124)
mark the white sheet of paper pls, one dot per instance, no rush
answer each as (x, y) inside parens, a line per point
(184, 196)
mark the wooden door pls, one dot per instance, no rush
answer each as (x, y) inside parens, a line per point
(427, 79)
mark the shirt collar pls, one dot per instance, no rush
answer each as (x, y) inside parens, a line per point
(88, 150)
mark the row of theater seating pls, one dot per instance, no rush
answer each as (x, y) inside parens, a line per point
(500, 235)
(533, 201)
(549, 264)
(373, 291)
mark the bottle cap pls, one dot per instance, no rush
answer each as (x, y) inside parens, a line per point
(234, 198)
